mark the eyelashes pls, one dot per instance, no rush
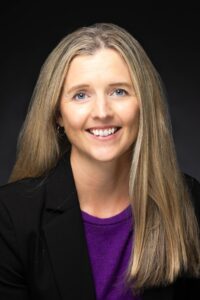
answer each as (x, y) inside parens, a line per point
(120, 92)
(82, 95)
(79, 96)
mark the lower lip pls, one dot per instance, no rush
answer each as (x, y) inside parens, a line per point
(105, 138)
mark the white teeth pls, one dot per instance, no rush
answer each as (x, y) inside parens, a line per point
(105, 132)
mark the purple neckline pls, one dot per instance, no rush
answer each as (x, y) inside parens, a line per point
(123, 215)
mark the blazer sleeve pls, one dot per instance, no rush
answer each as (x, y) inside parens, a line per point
(189, 288)
(12, 279)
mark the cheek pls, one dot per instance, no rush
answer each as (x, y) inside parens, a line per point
(73, 117)
(130, 113)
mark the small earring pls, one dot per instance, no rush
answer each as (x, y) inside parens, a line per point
(60, 130)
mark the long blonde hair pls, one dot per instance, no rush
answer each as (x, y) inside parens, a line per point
(166, 233)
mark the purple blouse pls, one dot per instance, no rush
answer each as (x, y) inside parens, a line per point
(109, 243)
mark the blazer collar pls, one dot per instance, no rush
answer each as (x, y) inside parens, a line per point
(64, 233)
(61, 189)
(66, 241)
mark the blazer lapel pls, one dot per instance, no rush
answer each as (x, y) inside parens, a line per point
(64, 234)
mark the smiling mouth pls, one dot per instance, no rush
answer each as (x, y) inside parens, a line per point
(103, 133)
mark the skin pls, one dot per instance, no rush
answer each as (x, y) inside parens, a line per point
(100, 168)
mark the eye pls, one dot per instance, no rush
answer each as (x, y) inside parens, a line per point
(79, 96)
(120, 92)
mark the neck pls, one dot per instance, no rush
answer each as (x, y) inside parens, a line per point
(102, 187)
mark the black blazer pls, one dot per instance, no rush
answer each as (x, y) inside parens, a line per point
(43, 251)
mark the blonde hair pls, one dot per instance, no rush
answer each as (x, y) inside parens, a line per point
(166, 233)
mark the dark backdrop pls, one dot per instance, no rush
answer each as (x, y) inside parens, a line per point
(29, 31)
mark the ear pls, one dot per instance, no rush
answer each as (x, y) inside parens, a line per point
(60, 121)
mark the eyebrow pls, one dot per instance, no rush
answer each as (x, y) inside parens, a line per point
(82, 86)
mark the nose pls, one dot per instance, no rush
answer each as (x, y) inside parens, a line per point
(101, 107)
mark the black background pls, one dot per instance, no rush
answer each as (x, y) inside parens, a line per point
(30, 30)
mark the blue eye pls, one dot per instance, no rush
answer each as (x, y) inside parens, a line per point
(120, 92)
(79, 96)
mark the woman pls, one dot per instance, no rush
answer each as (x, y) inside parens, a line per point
(96, 206)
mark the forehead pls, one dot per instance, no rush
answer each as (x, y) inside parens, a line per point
(104, 63)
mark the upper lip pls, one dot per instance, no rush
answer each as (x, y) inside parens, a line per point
(103, 127)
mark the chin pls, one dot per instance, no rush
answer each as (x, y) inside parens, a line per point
(105, 157)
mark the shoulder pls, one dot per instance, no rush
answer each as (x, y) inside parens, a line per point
(192, 182)
(193, 186)
(21, 202)
(25, 200)
(21, 189)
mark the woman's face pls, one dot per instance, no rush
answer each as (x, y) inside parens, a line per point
(98, 98)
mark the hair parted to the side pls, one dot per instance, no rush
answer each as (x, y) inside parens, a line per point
(166, 233)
